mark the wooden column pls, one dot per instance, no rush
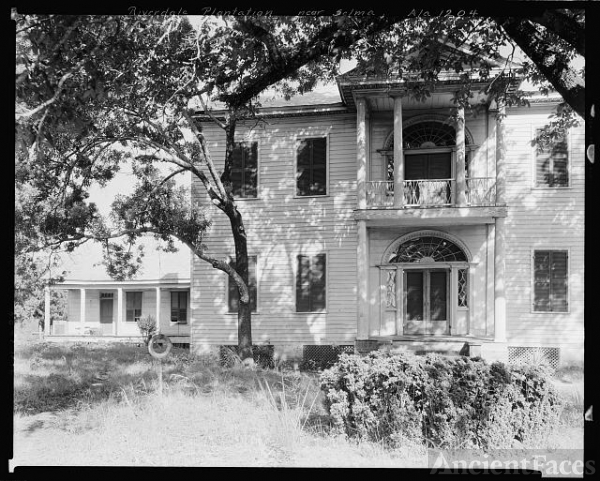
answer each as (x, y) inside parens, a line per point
(47, 317)
(362, 151)
(158, 310)
(398, 154)
(119, 322)
(499, 234)
(82, 310)
(500, 156)
(461, 182)
(362, 271)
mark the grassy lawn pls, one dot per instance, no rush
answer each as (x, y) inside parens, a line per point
(104, 405)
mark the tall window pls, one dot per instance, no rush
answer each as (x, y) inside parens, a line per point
(311, 167)
(311, 283)
(552, 162)
(234, 294)
(550, 281)
(133, 306)
(179, 300)
(244, 169)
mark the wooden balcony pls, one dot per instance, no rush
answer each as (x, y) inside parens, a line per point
(433, 201)
(480, 191)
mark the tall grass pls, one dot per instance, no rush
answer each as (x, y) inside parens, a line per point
(105, 405)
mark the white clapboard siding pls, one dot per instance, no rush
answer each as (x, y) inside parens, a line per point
(542, 218)
(279, 226)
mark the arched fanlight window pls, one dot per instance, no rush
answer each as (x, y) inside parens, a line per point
(428, 134)
(428, 248)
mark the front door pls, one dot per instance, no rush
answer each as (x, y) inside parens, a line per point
(106, 315)
(426, 301)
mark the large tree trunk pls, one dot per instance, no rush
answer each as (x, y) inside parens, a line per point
(241, 267)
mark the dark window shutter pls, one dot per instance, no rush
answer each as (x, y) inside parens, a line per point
(439, 166)
(558, 281)
(415, 167)
(237, 170)
(560, 158)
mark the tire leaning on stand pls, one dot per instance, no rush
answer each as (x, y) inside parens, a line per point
(159, 346)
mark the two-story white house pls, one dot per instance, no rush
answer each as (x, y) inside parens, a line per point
(376, 219)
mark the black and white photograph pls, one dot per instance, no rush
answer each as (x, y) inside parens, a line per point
(338, 238)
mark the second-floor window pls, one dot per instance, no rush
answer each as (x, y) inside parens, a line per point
(234, 294)
(550, 281)
(133, 306)
(552, 162)
(311, 167)
(311, 283)
(244, 168)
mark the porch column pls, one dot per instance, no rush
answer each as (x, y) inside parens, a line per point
(157, 310)
(500, 156)
(398, 157)
(461, 182)
(362, 151)
(499, 234)
(47, 331)
(362, 271)
(82, 310)
(119, 310)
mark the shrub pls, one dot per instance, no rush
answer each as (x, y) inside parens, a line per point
(449, 403)
(147, 327)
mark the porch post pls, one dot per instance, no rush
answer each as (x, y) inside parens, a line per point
(499, 235)
(362, 271)
(362, 151)
(461, 182)
(119, 310)
(398, 157)
(82, 310)
(157, 310)
(47, 331)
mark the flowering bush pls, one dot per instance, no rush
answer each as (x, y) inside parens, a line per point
(454, 402)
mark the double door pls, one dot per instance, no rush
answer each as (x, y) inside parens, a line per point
(426, 306)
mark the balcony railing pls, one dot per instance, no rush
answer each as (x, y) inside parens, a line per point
(430, 192)
(480, 191)
(380, 194)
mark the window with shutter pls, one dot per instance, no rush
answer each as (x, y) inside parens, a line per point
(550, 279)
(179, 300)
(311, 283)
(244, 168)
(311, 167)
(133, 306)
(234, 294)
(552, 162)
